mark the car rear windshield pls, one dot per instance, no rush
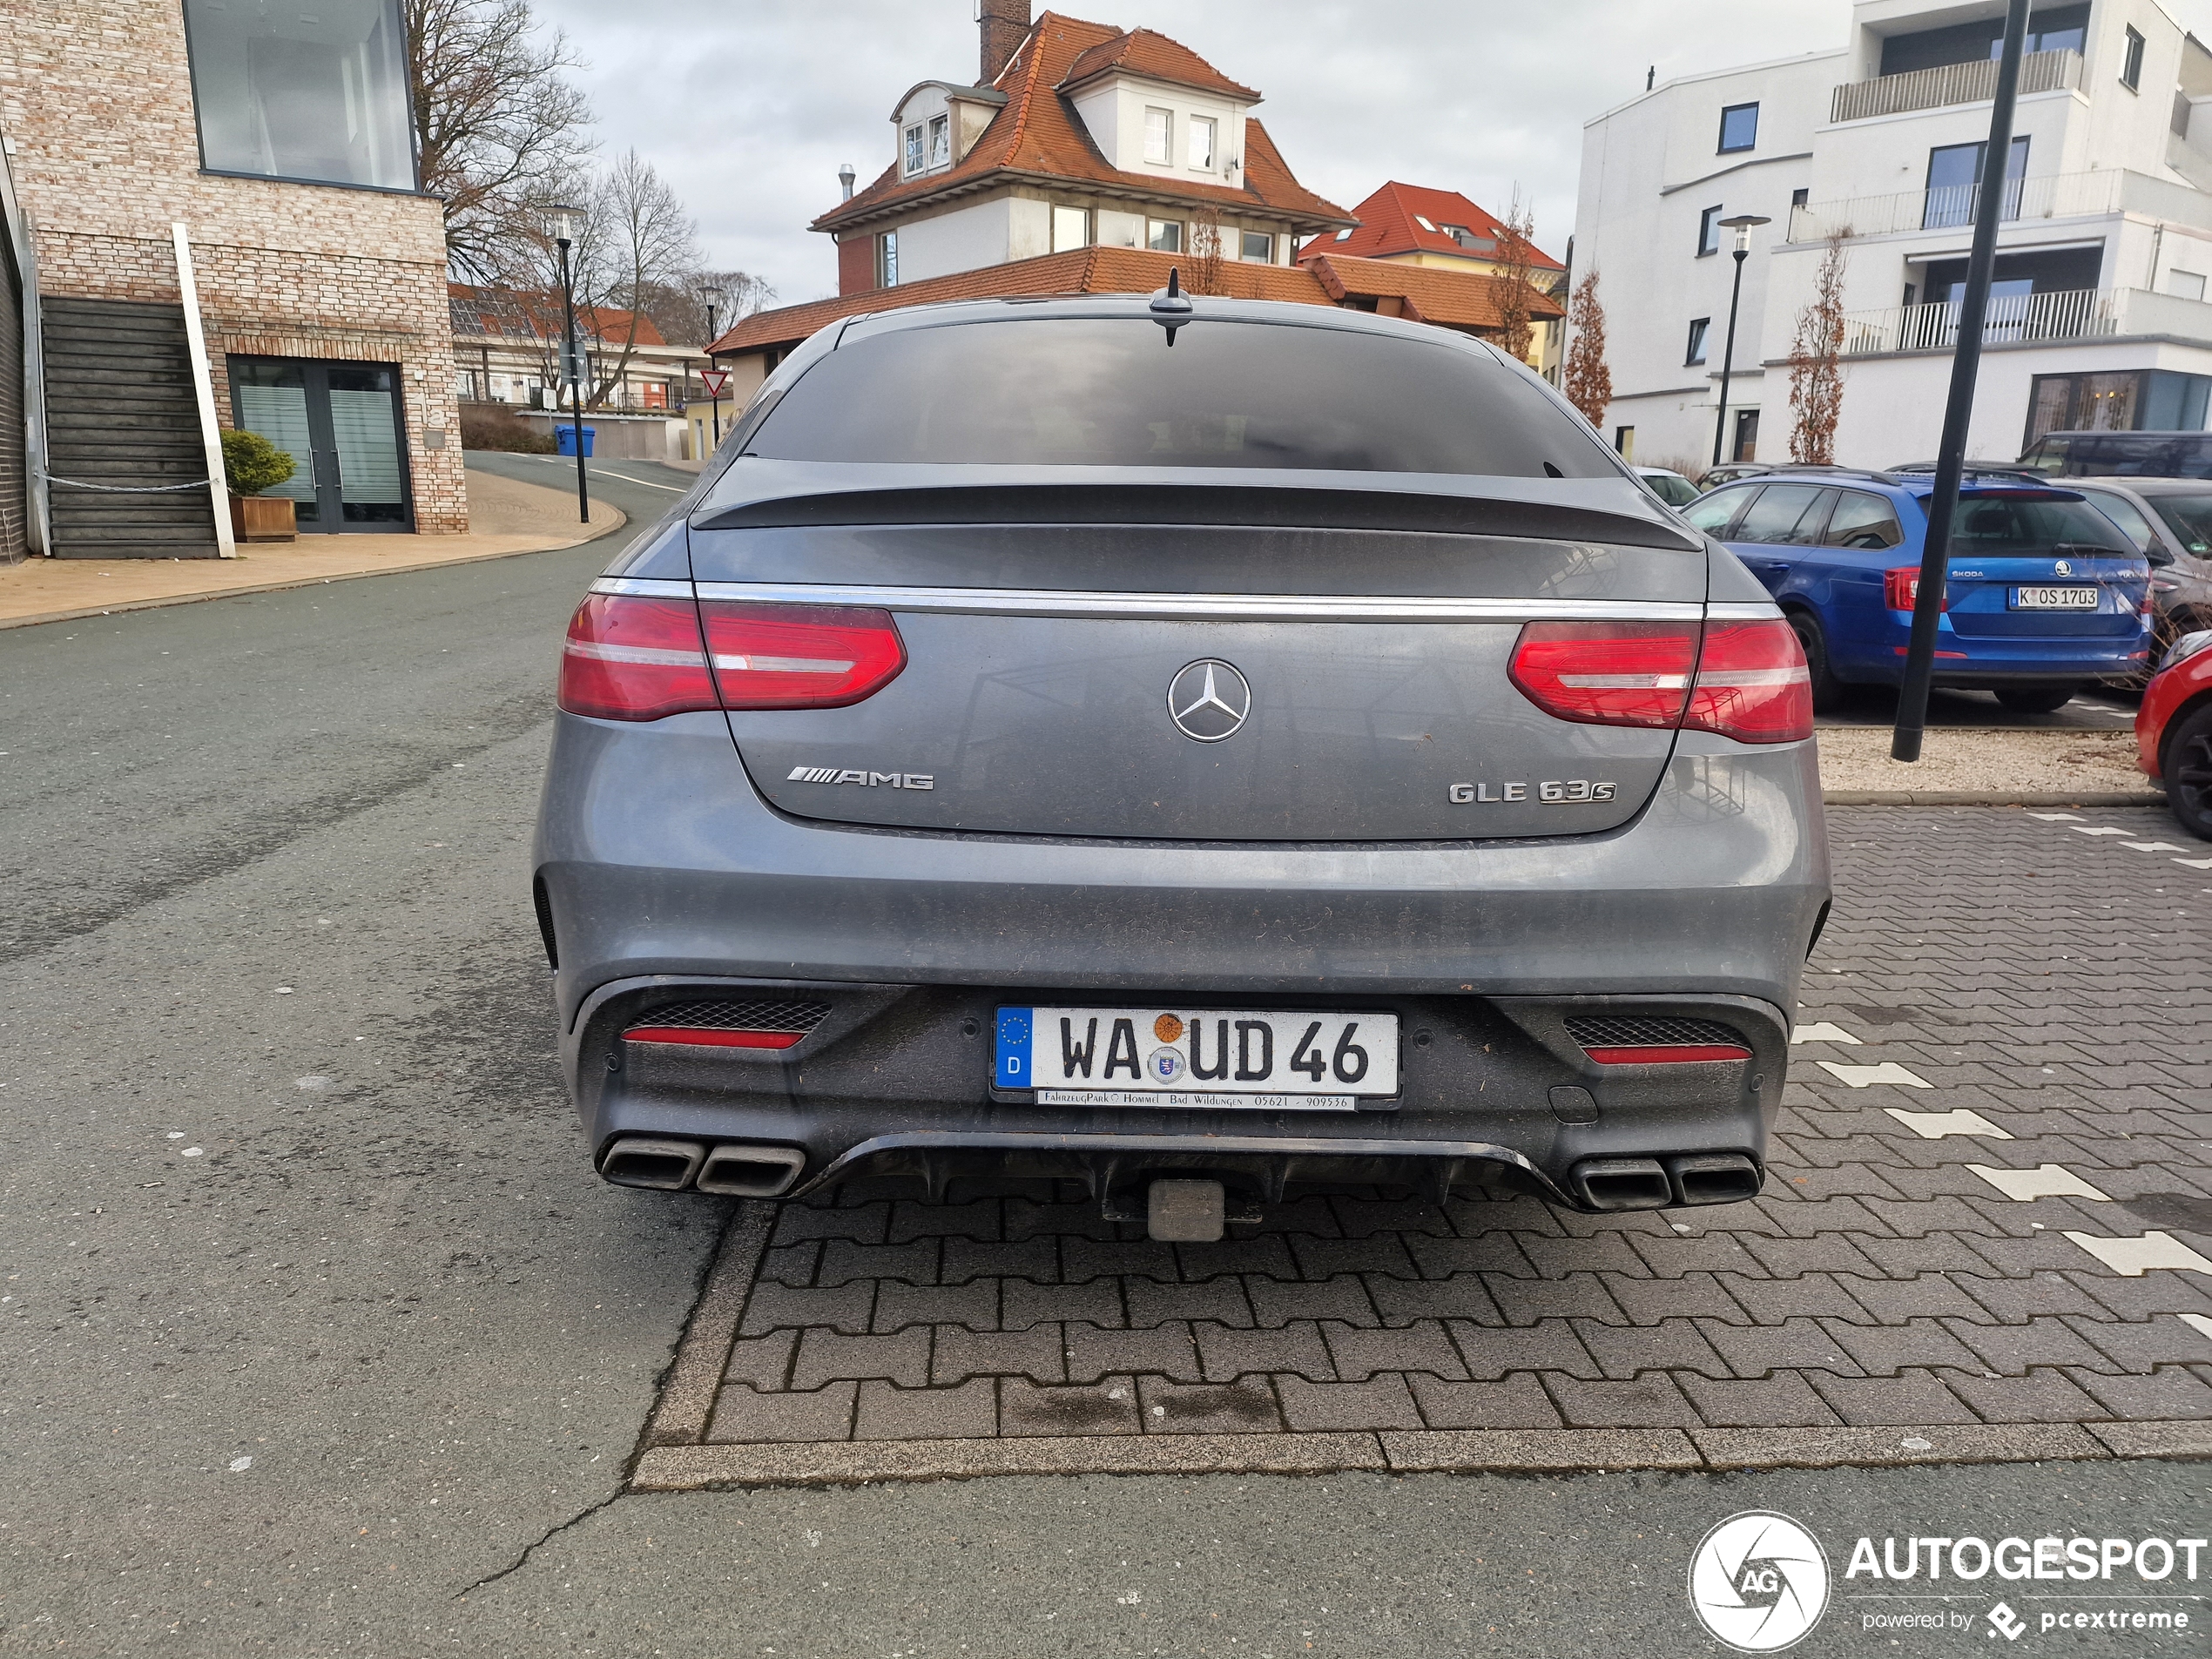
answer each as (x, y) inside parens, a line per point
(2190, 519)
(2026, 524)
(1110, 392)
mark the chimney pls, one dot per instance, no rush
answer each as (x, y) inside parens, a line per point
(1005, 25)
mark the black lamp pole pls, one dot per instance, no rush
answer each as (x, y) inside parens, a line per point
(710, 363)
(565, 225)
(1742, 225)
(1966, 363)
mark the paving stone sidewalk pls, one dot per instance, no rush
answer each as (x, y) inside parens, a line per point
(2030, 1004)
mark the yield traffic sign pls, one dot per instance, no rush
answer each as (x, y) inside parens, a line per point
(716, 380)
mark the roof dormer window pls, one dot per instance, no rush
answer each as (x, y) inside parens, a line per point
(915, 154)
(941, 140)
(1200, 150)
(1159, 136)
(1423, 222)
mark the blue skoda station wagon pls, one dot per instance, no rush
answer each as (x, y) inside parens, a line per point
(2043, 593)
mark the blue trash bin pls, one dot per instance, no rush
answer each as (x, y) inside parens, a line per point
(565, 434)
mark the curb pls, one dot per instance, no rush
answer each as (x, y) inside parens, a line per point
(1987, 798)
(1550, 1451)
(121, 606)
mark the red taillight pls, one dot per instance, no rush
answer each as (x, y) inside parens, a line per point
(1751, 684)
(1901, 588)
(1745, 680)
(800, 657)
(711, 1037)
(1666, 1054)
(635, 659)
(1607, 673)
(632, 658)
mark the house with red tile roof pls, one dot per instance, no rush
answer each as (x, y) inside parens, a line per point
(1087, 135)
(1441, 229)
(1089, 158)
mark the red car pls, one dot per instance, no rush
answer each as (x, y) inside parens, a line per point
(2173, 729)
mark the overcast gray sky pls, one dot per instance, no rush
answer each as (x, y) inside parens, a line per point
(747, 108)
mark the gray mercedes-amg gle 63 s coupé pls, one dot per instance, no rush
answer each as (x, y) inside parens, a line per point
(1185, 746)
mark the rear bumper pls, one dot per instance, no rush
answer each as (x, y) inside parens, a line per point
(662, 871)
(1974, 659)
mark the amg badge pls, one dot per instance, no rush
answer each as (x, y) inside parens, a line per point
(866, 780)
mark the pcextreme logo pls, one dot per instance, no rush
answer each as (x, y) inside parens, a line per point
(1759, 1581)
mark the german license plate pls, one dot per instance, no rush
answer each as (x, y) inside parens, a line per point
(2055, 599)
(1215, 1059)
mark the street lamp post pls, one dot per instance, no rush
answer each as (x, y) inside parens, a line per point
(714, 297)
(1742, 225)
(564, 222)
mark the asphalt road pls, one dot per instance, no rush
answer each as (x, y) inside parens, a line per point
(320, 1337)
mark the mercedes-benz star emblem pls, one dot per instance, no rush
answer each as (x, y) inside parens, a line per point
(1209, 701)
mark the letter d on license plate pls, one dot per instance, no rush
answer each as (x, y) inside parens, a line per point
(1214, 1058)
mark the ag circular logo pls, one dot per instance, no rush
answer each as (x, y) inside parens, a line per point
(1208, 700)
(1758, 1581)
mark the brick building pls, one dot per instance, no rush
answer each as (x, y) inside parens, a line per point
(283, 144)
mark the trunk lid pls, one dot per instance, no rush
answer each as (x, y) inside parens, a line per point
(1201, 663)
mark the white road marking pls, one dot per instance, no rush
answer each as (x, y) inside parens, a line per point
(1934, 1126)
(2200, 1323)
(2154, 846)
(2099, 830)
(2058, 818)
(2133, 1257)
(1823, 1032)
(2196, 864)
(1861, 1077)
(2044, 1181)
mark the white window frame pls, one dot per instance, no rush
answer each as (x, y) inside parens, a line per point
(940, 141)
(1159, 123)
(1080, 217)
(886, 258)
(1199, 157)
(1244, 247)
(912, 153)
(1154, 227)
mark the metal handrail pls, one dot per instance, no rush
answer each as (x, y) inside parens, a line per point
(2063, 195)
(2067, 314)
(1968, 82)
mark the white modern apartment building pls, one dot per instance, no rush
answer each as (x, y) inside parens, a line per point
(2099, 316)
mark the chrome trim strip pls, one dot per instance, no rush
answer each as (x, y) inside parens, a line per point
(1743, 611)
(1275, 607)
(643, 587)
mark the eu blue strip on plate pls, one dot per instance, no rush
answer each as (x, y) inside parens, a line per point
(1013, 1070)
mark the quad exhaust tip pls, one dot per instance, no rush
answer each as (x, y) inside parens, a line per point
(732, 1169)
(1650, 1184)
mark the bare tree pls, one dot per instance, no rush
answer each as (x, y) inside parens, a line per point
(1205, 252)
(636, 234)
(1587, 382)
(1816, 365)
(677, 307)
(1516, 292)
(499, 129)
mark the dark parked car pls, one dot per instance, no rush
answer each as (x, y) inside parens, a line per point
(2170, 519)
(2120, 455)
(1195, 749)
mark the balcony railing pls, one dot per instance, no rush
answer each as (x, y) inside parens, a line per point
(1930, 89)
(2068, 313)
(2061, 195)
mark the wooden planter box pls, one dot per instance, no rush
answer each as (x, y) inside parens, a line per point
(264, 518)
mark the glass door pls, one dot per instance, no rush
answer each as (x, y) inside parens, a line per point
(342, 425)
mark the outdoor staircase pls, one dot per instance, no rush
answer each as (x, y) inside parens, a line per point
(120, 410)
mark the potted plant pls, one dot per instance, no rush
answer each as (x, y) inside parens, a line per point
(252, 464)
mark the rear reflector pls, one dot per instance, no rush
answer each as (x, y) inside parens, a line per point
(632, 658)
(1667, 1054)
(706, 1037)
(1745, 680)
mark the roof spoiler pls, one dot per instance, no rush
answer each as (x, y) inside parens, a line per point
(1211, 503)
